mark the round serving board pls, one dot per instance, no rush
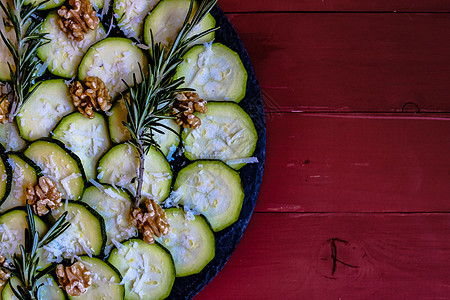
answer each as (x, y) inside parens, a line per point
(251, 174)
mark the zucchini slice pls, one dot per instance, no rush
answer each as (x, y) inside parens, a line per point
(215, 72)
(113, 60)
(147, 270)
(114, 206)
(44, 109)
(190, 242)
(49, 289)
(168, 141)
(226, 133)
(130, 15)
(212, 189)
(119, 167)
(105, 280)
(24, 172)
(63, 55)
(87, 138)
(60, 165)
(6, 176)
(166, 20)
(10, 137)
(12, 231)
(85, 235)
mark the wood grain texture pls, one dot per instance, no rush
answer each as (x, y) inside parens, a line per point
(290, 256)
(334, 5)
(356, 163)
(349, 62)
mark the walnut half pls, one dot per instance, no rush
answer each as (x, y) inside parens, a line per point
(150, 219)
(4, 275)
(91, 95)
(76, 19)
(75, 279)
(43, 196)
(4, 109)
(184, 107)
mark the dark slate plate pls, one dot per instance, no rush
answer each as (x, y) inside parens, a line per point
(251, 174)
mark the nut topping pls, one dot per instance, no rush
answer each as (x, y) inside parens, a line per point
(75, 279)
(43, 196)
(91, 95)
(184, 107)
(4, 109)
(4, 275)
(77, 19)
(151, 220)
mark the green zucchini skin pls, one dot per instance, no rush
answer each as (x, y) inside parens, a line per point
(73, 156)
(29, 172)
(6, 183)
(88, 160)
(113, 49)
(199, 145)
(215, 72)
(100, 289)
(53, 292)
(98, 218)
(54, 95)
(230, 186)
(199, 250)
(175, 11)
(154, 251)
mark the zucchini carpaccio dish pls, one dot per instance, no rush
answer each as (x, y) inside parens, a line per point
(131, 148)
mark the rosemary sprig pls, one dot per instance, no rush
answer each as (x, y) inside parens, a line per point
(23, 49)
(151, 99)
(24, 266)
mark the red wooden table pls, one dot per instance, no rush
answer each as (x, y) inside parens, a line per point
(355, 199)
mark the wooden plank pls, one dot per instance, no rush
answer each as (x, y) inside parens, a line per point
(334, 5)
(356, 163)
(289, 256)
(349, 62)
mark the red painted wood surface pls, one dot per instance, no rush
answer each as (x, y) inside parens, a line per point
(288, 256)
(349, 62)
(350, 180)
(356, 163)
(334, 5)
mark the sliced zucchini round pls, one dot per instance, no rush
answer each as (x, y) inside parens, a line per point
(48, 289)
(167, 18)
(215, 72)
(168, 141)
(60, 165)
(113, 60)
(212, 189)
(226, 133)
(190, 242)
(114, 205)
(10, 137)
(85, 235)
(49, 102)
(87, 138)
(63, 54)
(24, 173)
(105, 280)
(12, 231)
(147, 270)
(6, 174)
(120, 164)
(130, 15)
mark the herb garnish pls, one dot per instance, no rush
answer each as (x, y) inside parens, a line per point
(23, 48)
(150, 100)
